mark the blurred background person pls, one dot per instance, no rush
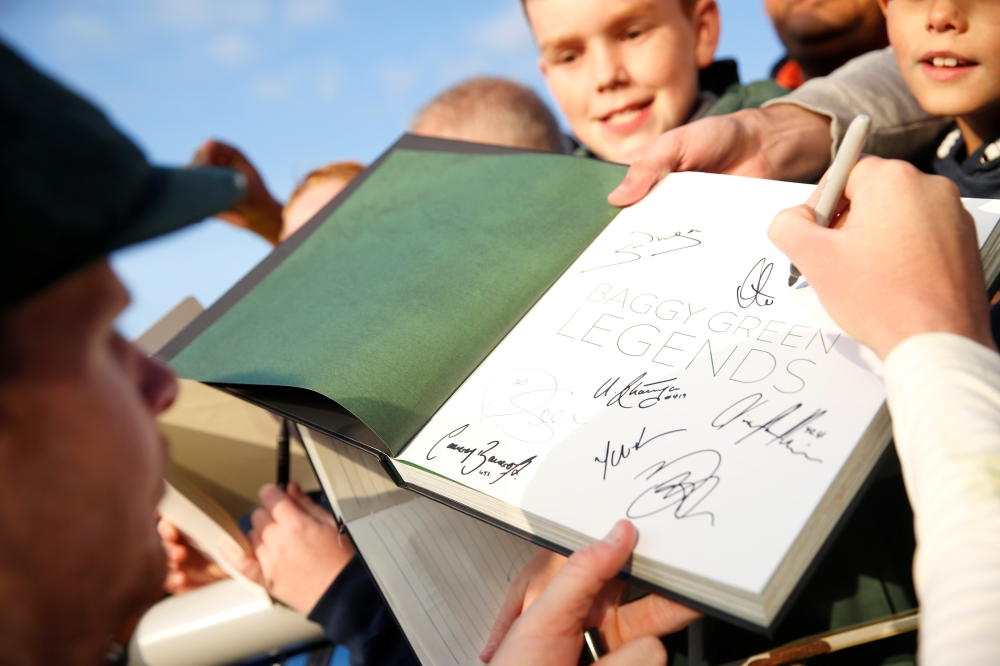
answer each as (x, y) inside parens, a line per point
(317, 189)
(822, 35)
(490, 110)
(261, 212)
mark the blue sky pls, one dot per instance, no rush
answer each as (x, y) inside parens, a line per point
(294, 83)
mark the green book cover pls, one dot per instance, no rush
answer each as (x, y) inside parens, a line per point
(389, 305)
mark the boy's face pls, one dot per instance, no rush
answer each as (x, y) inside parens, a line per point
(623, 71)
(948, 52)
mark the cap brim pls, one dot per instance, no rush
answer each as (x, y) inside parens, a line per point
(182, 197)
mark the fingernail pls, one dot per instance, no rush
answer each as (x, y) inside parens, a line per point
(487, 651)
(616, 534)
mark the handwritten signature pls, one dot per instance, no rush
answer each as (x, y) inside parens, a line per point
(646, 242)
(753, 293)
(770, 429)
(615, 458)
(681, 484)
(479, 458)
(526, 404)
(647, 393)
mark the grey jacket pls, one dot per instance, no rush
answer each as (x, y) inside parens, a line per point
(871, 84)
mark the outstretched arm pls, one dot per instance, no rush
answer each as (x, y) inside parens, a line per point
(793, 137)
(258, 211)
(871, 84)
(781, 143)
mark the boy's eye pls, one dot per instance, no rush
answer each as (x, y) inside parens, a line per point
(566, 57)
(633, 33)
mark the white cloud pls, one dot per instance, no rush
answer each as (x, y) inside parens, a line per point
(507, 32)
(397, 78)
(231, 49)
(309, 12)
(208, 14)
(91, 32)
(277, 87)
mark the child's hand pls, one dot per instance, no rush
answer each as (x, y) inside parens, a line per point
(297, 545)
(259, 211)
(187, 568)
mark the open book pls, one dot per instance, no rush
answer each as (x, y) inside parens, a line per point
(511, 345)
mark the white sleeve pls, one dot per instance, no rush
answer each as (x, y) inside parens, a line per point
(872, 84)
(944, 396)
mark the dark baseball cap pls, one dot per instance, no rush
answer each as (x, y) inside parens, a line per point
(73, 188)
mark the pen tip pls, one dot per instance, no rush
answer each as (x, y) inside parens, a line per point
(792, 280)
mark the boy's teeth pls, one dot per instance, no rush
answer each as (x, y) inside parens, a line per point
(622, 117)
(940, 61)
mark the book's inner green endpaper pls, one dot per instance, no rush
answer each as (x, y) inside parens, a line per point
(390, 304)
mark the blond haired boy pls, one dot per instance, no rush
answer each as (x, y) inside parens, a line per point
(623, 72)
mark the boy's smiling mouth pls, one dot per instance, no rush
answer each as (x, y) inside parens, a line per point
(946, 65)
(627, 118)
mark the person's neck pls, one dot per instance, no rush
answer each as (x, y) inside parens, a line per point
(979, 126)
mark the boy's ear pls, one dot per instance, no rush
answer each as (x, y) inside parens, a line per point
(542, 67)
(883, 5)
(707, 26)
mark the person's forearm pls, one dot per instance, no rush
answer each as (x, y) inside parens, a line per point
(870, 84)
(944, 395)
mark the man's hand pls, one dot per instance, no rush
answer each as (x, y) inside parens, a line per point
(187, 568)
(550, 633)
(619, 623)
(901, 260)
(781, 142)
(298, 549)
(258, 211)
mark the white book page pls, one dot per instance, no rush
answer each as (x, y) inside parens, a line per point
(443, 573)
(672, 377)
